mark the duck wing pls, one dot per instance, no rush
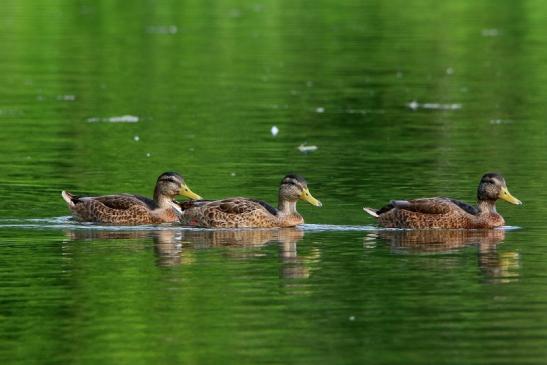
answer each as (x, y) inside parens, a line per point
(466, 207)
(428, 206)
(189, 204)
(123, 201)
(266, 206)
(228, 206)
(235, 206)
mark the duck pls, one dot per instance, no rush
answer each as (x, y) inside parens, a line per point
(131, 209)
(447, 212)
(242, 212)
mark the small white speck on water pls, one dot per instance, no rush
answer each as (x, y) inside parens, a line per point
(66, 97)
(232, 174)
(490, 32)
(117, 119)
(234, 13)
(320, 110)
(449, 71)
(123, 119)
(434, 106)
(500, 121)
(413, 105)
(148, 154)
(352, 318)
(306, 149)
(274, 131)
(136, 138)
(162, 29)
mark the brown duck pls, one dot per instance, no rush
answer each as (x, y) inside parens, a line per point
(250, 213)
(447, 212)
(133, 209)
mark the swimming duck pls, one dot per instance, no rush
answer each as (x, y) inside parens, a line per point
(251, 213)
(447, 212)
(133, 209)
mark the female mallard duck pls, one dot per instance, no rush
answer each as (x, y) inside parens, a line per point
(446, 212)
(251, 213)
(133, 209)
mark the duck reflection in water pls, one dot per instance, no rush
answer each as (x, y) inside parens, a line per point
(176, 247)
(495, 267)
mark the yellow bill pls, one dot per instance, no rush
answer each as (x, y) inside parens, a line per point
(306, 195)
(506, 195)
(185, 191)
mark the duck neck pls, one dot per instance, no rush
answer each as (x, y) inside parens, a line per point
(286, 207)
(162, 200)
(487, 206)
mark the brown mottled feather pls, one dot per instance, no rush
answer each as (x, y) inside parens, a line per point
(434, 213)
(234, 213)
(120, 210)
(251, 213)
(447, 212)
(132, 209)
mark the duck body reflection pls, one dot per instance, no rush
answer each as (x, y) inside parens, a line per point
(174, 247)
(496, 267)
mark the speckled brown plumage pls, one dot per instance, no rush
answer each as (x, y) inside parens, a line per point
(132, 209)
(448, 213)
(248, 213)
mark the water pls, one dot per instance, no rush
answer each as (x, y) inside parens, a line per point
(401, 100)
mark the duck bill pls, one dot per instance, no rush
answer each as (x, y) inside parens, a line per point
(506, 195)
(185, 191)
(306, 195)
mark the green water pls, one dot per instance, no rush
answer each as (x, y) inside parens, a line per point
(403, 99)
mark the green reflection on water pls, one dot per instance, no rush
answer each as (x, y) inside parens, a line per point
(402, 100)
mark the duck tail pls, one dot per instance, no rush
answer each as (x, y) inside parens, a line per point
(373, 212)
(69, 198)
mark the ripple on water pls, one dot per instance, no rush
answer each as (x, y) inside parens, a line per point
(69, 222)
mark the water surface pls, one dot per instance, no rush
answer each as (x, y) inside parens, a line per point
(401, 99)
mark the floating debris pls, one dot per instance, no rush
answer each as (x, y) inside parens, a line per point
(66, 97)
(274, 131)
(117, 119)
(148, 154)
(305, 149)
(449, 71)
(490, 32)
(162, 29)
(500, 121)
(356, 111)
(136, 138)
(320, 110)
(124, 119)
(232, 174)
(414, 105)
